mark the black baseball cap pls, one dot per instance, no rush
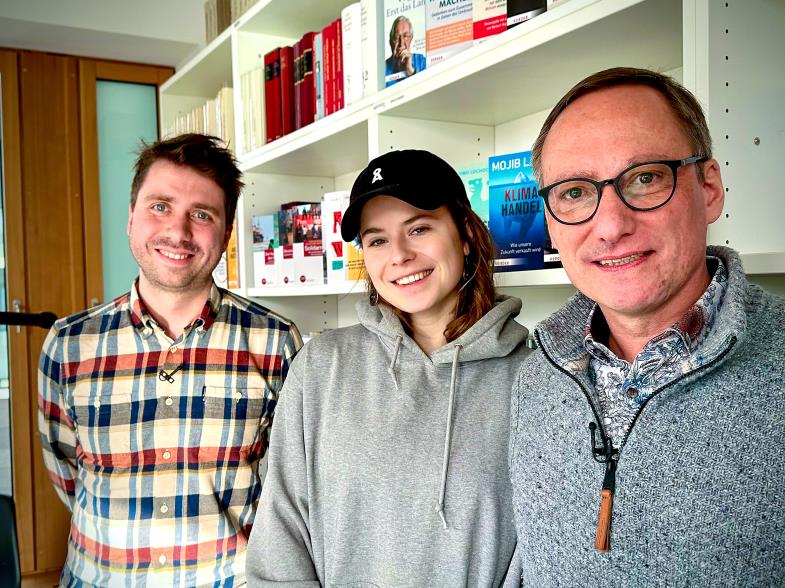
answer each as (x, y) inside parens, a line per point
(417, 177)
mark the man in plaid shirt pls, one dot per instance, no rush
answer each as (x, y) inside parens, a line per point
(154, 408)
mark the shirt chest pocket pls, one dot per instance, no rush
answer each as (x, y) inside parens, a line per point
(103, 426)
(234, 421)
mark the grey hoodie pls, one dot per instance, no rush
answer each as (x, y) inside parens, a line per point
(388, 467)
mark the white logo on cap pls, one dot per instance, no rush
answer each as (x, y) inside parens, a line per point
(377, 175)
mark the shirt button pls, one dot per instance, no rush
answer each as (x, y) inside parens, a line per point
(96, 403)
(172, 349)
(167, 455)
(632, 392)
(164, 509)
(162, 559)
(168, 401)
(238, 396)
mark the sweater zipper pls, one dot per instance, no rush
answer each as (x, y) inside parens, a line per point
(610, 456)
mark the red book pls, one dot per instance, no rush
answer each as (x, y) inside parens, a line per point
(327, 68)
(287, 90)
(338, 65)
(307, 80)
(272, 95)
(298, 82)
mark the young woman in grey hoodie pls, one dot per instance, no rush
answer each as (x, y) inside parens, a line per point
(388, 457)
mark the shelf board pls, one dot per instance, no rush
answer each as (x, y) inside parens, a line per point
(763, 263)
(331, 146)
(318, 290)
(206, 73)
(290, 18)
(537, 61)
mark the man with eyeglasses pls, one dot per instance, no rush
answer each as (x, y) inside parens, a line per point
(402, 63)
(647, 431)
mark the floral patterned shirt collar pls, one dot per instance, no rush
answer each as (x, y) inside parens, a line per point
(690, 330)
(622, 388)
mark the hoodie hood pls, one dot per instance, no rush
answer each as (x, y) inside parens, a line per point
(495, 335)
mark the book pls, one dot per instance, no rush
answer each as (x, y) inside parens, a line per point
(371, 45)
(404, 27)
(517, 213)
(272, 95)
(265, 239)
(318, 68)
(308, 252)
(232, 262)
(448, 28)
(219, 273)
(338, 64)
(519, 11)
(475, 180)
(489, 17)
(355, 266)
(328, 69)
(287, 90)
(333, 206)
(351, 53)
(304, 101)
(284, 253)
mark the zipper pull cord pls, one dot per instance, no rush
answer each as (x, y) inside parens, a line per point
(604, 452)
(602, 541)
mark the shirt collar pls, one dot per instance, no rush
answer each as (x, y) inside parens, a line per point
(691, 328)
(144, 321)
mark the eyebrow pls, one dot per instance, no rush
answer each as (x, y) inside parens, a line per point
(408, 221)
(169, 199)
(585, 173)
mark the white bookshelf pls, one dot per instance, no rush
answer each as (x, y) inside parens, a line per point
(493, 98)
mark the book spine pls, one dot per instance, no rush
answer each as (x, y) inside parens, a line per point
(339, 89)
(370, 46)
(308, 79)
(287, 90)
(318, 76)
(351, 31)
(327, 59)
(272, 95)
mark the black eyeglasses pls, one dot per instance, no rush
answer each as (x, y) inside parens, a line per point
(642, 186)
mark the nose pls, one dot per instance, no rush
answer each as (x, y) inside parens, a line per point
(613, 220)
(179, 228)
(401, 250)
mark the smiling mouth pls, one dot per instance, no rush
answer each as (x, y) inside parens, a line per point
(175, 256)
(620, 260)
(406, 280)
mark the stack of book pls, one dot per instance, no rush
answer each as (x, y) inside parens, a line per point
(214, 117)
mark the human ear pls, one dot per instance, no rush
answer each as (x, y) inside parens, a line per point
(713, 190)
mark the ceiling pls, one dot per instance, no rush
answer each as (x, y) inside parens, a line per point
(160, 32)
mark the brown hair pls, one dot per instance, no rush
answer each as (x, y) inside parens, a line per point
(684, 105)
(477, 293)
(202, 153)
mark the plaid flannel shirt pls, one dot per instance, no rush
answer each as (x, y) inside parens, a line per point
(160, 470)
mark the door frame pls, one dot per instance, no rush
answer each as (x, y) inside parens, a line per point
(90, 72)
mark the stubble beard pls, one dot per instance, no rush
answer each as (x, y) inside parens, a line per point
(188, 279)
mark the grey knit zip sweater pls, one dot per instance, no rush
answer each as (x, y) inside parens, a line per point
(700, 484)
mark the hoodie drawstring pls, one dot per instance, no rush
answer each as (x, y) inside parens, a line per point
(391, 368)
(448, 435)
